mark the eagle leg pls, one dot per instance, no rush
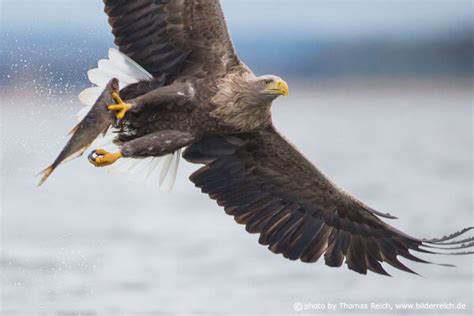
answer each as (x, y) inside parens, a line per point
(102, 158)
(121, 107)
(156, 144)
(173, 94)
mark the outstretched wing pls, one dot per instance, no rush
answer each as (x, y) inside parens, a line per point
(266, 184)
(171, 37)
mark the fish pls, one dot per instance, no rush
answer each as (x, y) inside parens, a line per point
(97, 121)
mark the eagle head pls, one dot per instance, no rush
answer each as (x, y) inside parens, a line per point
(244, 101)
(269, 87)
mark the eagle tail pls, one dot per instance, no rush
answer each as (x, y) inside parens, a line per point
(127, 71)
(154, 172)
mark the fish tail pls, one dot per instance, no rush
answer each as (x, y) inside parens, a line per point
(61, 159)
(46, 173)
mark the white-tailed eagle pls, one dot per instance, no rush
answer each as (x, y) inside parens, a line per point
(176, 82)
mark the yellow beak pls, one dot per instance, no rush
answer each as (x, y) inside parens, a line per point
(280, 87)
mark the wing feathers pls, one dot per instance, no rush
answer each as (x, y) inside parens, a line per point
(265, 183)
(172, 37)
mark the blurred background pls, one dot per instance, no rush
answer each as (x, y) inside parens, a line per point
(381, 100)
(316, 39)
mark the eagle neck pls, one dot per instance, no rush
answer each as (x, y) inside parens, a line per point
(238, 105)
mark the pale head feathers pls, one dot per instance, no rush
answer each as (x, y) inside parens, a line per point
(244, 100)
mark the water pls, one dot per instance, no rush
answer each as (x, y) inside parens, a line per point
(88, 243)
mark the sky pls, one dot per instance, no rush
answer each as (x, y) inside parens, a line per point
(323, 18)
(314, 37)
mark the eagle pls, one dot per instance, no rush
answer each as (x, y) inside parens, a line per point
(182, 86)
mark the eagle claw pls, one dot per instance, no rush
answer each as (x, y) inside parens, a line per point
(121, 107)
(102, 158)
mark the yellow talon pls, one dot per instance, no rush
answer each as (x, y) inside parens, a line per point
(121, 107)
(102, 158)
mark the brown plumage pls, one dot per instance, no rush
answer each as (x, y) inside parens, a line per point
(267, 185)
(204, 98)
(186, 42)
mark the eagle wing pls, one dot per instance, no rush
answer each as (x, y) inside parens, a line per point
(265, 183)
(173, 37)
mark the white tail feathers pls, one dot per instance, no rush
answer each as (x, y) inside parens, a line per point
(170, 180)
(90, 95)
(118, 66)
(149, 170)
(128, 66)
(145, 170)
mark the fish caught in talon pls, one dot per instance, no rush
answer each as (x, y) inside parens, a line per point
(121, 107)
(102, 158)
(97, 121)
